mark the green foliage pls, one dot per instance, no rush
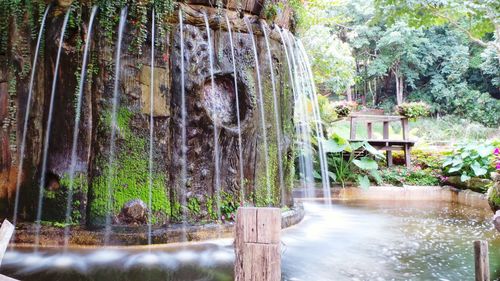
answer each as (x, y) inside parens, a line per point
(400, 176)
(193, 206)
(470, 160)
(413, 110)
(271, 10)
(332, 61)
(343, 108)
(343, 159)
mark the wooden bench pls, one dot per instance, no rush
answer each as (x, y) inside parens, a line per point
(386, 144)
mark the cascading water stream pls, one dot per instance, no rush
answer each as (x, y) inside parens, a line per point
(238, 117)
(292, 80)
(111, 163)
(27, 116)
(76, 129)
(318, 122)
(276, 114)
(216, 130)
(183, 130)
(47, 133)
(261, 107)
(303, 128)
(151, 126)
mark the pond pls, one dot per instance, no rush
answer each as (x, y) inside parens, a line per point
(347, 240)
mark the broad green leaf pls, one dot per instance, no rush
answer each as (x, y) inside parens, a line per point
(376, 175)
(316, 175)
(485, 151)
(366, 163)
(333, 147)
(372, 150)
(455, 168)
(464, 177)
(478, 170)
(356, 145)
(363, 181)
(333, 176)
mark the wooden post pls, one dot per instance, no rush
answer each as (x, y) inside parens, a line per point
(405, 128)
(6, 232)
(385, 134)
(353, 128)
(257, 244)
(369, 128)
(481, 260)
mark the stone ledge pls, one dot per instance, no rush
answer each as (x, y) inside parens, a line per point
(137, 235)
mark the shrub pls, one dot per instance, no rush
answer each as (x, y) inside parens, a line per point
(400, 176)
(413, 110)
(470, 160)
(346, 163)
(344, 108)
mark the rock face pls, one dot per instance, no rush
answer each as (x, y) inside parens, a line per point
(129, 174)
(496, 220)
(494, 193)
(134, 212)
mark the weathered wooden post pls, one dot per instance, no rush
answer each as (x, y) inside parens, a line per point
(6, 232)
(257, 244)
(481, 260)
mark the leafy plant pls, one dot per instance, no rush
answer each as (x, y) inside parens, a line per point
(413, 110)
(344, 108)
(346, 158)
(470, 160)
(400, 176)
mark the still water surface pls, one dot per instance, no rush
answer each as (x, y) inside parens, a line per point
(351, 240)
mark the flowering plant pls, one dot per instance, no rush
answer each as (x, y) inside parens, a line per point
(344, 108)
(413, 110)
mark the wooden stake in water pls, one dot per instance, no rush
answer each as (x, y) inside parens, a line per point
(257, 244)
(6, 232)
(481, 260)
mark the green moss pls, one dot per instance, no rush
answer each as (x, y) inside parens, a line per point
(193, 206)
(129, 177)
(494, 197)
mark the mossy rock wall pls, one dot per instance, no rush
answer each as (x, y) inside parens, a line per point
(128, 176)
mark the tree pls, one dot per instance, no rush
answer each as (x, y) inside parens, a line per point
(398, 55)
(475, 18)
(332, 63)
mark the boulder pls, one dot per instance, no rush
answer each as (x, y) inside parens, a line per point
(496, 220)
(494, 193)
(134, 212)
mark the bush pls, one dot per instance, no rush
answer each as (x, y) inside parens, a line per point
(344, 108)
(470, 160)
(400, 176)
(413, 110)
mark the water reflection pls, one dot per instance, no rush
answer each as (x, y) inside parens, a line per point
(344, 241)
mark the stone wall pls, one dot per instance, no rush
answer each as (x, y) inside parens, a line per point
(131, 180)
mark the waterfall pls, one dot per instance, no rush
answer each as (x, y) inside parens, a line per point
(261, 107)
(216, 131)
(238, 117)
(303, 127)
(276, 114)
(76, 129)
(27, 116)
(47, 133)
(111, 163)
(317, 120)
(183, 130)
(292, 80)
(151, 126)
